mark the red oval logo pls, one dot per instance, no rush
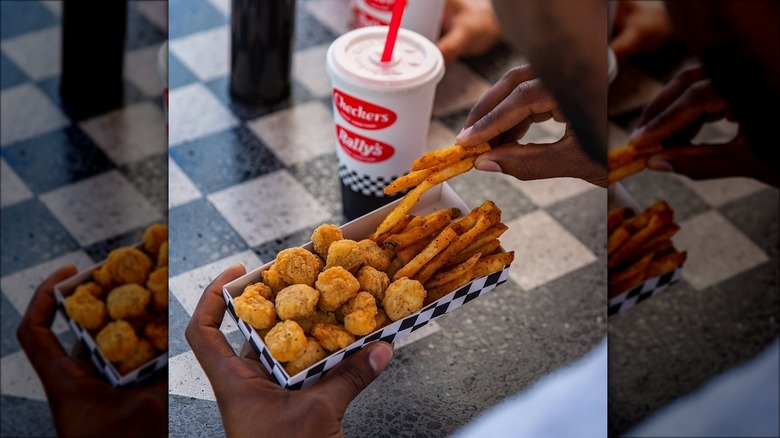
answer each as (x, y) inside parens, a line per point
(382, 5)
(365, 19)
(362, 148)
(362, 114)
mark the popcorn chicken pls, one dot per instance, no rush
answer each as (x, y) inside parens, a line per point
(298, 266)
(254, 309)
(373, 281)
(336, 285)
(373, 255)
(402, 298)
(318, 316)
(273, 280)
(154, 236)
(312, 354)
(157, 334)
(102, 277)
(84, 308)
(128, 301)
(158, 286)
(332, 337)
(129, 265)
(296, 301)
(323, 236)
(117, 340)
(286, 341)
(143, 354)
(162, 255)
(93, 288)
(360, 313)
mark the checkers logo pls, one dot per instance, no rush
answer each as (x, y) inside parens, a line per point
(362, 148)
(362, 114)
(365, 19)
(381, 5)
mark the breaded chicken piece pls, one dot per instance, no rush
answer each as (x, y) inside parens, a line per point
(374, 256)
(286, 341)
(403, 297)
(273, 280)
(381, 319)
(296, 301)
(312, 354)
(298, 266)
(318, 316)
(117, 341)
(91, 287)
(143, 354)
(86, 309)
(254, 309)
(154, 236)
(332, 337)
(360, 313)
(162, 255)
(129, 265)
(102, 277)
(336, 286)
(323, 236)
(261, 289)
(373, 281)
(128, 301)
(157, 334)
(345, 253)
(158, 286)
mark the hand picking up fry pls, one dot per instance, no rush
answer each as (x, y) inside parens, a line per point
(628, 160)
(639, 247)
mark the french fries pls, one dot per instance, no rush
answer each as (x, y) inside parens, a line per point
(639, 246)
(628, 160)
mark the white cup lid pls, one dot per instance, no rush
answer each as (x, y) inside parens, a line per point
(356, 57)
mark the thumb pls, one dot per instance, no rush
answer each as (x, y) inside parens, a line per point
(346, 380)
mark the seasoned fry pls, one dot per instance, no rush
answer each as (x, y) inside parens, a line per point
(493, 263)
(442, 277)
(635, 242)
(618, 173)
(490, 234)
(619, 157)
(399, 227)
(632, 270)
(411, 179)
(615, 218)
(429, 228)
(666, 263)
(485, 249)
(437, 245)
(619, 237)
(413, 196)
(448, 155)
(437, 292)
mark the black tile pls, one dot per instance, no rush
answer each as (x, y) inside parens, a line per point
(199, 235)
(99, 251)
(20, 17)
(25, 417)
(10, 75)
(246, 112)
(31, 236)
(320, 177)
(55, 159)
(585, 217)
(757, 216)
(150, 177)
(178, 318)
(476, 187)
(308, 31)
(178, 74)
(649, 186)
(495, 62)
(9, 321)
(140, 31)
(225, 159)
(457, 120)
(187, 17)
(267, 251)
(190, 417)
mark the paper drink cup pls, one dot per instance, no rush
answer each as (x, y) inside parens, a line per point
(421, 16)
(381, 111)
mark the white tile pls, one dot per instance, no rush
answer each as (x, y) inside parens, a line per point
(26, 112)
(297, 134)
(222, 6)
(19, 378)
(100, 207)
(196, 112)
(548, 131)
(130, 133)
(308, 68)
(460, 89)
(721, 131)
(36, 53)
(268, 207)
(206, 54)
(186, 378)
(188, 287)
(721, 191)
(141, 70)
(544, 250)
(20, 286)
(154, 11)
(55, 6)
(333, 14)
(546, 192)
(181, 189)
(12, 188)
(716, 249)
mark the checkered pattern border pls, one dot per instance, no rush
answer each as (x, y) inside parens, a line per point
(390, 333)
(105, 367)
(649, 288)
(365, 184)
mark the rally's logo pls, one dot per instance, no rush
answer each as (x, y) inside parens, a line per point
(365, 19)
(381, 5)
(362, 148)
(362, 114)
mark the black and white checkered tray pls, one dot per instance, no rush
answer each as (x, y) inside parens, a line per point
(135, 377)
(437, 198)
(649, 288)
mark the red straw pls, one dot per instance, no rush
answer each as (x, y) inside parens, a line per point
(392, 33)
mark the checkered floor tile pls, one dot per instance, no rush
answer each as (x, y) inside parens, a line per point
(723, 311)
(71, 190)
(247, 182)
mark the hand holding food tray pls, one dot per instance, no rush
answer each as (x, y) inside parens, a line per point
(431, 261)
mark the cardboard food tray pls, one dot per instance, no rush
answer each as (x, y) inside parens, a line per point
(437, 198)
(135, 377)
(619, 197)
